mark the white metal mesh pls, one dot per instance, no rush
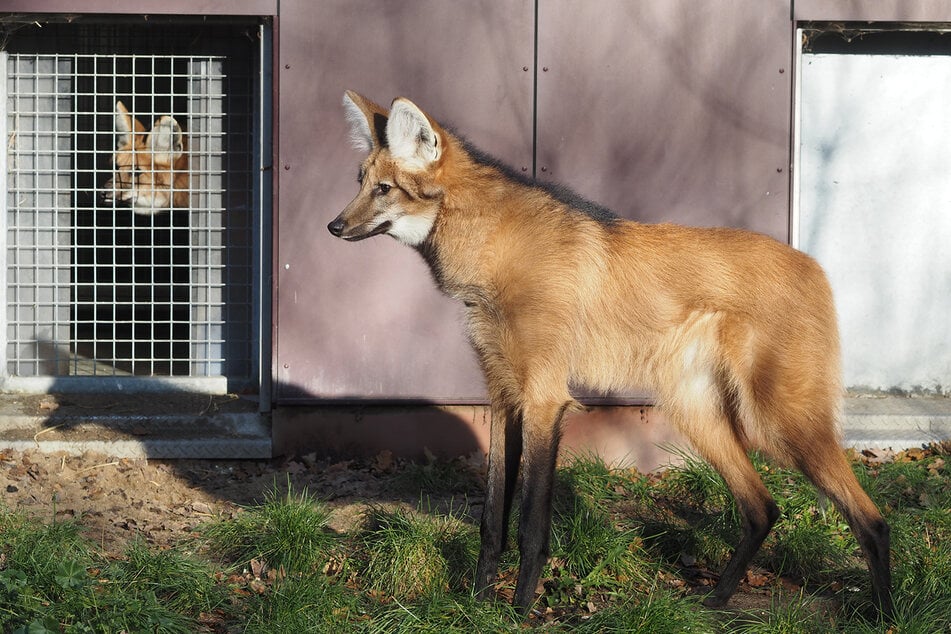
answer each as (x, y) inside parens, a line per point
(92, 288)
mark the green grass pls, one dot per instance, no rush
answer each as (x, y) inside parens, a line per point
(786, 615)
(592, 553)
(409, 555)
(52, 580)
(658, 611)
(629, 553)
(288, 532)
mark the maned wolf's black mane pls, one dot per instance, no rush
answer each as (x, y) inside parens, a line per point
(559, 192)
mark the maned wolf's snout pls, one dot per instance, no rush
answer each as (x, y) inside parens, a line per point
(339, 228)
(336, 226)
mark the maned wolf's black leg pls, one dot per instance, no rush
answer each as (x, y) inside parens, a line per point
(534, 531)
(726, 453)
(832, 475)
(873, 536)
(756, 522)
(505, 453)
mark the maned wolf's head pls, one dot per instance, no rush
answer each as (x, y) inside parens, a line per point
(150, 168)
(398, 192)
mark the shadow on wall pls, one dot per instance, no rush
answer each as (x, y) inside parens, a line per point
(413, 431)
(162, 416)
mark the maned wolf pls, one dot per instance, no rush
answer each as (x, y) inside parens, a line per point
(150, 168)
(733, 331)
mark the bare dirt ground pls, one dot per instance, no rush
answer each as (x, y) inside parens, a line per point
(161, 501)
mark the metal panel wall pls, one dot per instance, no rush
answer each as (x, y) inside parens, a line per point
(364, 320)
(669, 110)
(661, 110)
(144, 7)
(872, 10)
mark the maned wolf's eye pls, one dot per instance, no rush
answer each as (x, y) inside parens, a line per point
(383, 188)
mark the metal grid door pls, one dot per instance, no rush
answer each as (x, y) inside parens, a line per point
(130, 233)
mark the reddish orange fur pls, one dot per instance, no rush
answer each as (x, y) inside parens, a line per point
(733, 331)
(148, 180)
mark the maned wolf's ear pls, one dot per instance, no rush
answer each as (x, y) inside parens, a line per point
(411, 136)
(166, 141)
(125, 125)
(367, 121)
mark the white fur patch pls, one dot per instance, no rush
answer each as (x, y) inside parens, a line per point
(693, 384)
(412, 229)
(360, 136)
(410, 137)
(165, 140)
(698, 389)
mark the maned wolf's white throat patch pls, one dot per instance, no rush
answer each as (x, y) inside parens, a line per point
(412, 230)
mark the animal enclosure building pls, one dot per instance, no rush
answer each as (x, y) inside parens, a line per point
(98, 290)
(170, 168)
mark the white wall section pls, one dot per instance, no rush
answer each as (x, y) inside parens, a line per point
(874, 207)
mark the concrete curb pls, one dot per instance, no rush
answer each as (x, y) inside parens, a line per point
(182, 431)
(160, 427)
(895, 422)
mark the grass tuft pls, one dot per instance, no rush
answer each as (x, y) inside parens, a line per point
(408, 556)
(589, 549)
(445, 613)
(657, 611)
(303, 603)
(288, 531)
(800, 615)
(179, 581)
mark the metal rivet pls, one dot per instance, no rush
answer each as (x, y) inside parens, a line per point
(544, 169)
(525, 68)
(287, 66)
(544, 69)
(287, 166)
(287, 267)
(782, 70)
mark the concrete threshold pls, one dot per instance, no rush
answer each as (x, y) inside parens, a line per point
(160, 426)
(895, 422)
(202, 426)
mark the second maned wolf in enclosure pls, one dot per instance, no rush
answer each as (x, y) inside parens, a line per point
(733, 331)
(150, 167)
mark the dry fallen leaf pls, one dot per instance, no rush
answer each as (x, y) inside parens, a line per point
(915, 453)
(756, 580)
(258, 586)
(384, 460)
